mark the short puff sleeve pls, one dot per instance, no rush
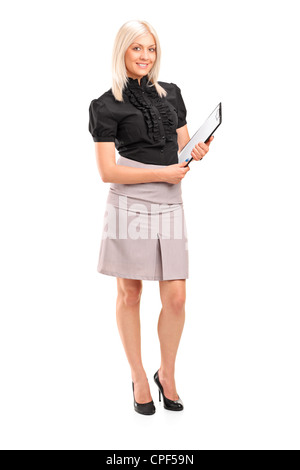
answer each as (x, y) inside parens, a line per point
(181, 109)
(102, 125)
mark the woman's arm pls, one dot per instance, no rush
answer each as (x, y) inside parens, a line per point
(110, 172)
(182, 137)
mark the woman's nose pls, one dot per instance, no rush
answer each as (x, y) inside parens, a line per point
(144, 55)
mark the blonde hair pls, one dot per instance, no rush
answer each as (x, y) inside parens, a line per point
(126, 35)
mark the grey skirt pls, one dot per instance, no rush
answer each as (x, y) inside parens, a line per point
(144, 231)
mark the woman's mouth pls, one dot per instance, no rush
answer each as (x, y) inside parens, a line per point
(142, 66)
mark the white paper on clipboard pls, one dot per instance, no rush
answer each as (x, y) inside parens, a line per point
(202, 134)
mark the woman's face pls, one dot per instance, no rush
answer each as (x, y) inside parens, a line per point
(142, 51)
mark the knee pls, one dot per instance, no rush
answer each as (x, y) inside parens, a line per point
(132, 296)
(177, 303)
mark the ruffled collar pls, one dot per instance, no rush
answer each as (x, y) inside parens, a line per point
(136, 93)
(134, 83)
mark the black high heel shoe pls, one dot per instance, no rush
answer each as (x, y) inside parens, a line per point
(143, 408)
(173, 405)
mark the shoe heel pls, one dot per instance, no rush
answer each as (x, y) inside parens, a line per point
(174, 405)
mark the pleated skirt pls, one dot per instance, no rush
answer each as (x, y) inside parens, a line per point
(144, 233)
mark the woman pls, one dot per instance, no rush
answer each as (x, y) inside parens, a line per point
(145, 237)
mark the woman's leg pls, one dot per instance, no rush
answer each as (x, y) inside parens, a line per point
(170, 326)
(128, 321)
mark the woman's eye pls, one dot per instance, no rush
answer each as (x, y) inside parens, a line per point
(151, 49)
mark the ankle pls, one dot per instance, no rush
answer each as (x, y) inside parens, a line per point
(166, 375)
(138, 376)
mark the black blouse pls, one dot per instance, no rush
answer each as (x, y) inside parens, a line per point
(143, 127)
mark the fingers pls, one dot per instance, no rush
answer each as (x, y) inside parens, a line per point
(183, 167)
(198, 151)
(184, 170)
(182, 164)
(201, 149)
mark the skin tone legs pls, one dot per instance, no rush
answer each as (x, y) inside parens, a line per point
(170, 326)
(128, 321)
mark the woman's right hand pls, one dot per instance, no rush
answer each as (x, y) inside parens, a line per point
(175, 173)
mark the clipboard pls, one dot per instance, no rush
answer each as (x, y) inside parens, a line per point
(202, 134)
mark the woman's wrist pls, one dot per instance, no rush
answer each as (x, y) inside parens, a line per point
(159, 175)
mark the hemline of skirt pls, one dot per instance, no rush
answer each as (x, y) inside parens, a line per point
(140, 278)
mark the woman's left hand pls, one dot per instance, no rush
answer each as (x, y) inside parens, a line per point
(201, 149)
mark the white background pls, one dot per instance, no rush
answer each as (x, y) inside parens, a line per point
(65, 381)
